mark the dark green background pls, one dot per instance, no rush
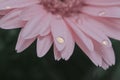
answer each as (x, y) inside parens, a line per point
(27, 66)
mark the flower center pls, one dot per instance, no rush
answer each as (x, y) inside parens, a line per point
(62, 7)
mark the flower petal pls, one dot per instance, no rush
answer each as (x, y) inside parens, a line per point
(105, 66)
(13, 23)
(69, 48)
(10, 15)
(9, 4)
(59, 31)
(93, 56)
(89, 26)
(111, 11)
(30, 12)
(22, 43)
(88, 43)
(37, 24)
(11, 20)
(70, 44)
(57, 54)
(102, 2)
(106, 53)
(85, 43)
(43, 45)
(111, 27)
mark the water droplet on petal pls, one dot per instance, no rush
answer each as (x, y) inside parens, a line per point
(60, 40)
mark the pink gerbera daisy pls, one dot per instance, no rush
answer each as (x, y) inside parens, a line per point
(89, 23)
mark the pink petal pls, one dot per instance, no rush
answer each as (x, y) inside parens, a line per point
(88, 43)
(11, 20)
(94, 57)
(69, 48)
(89, 26)
(10, 15)
(43, 45)
(22, 43)
(111, 11)
(105, 66)
(111, 27)
(115, 22)
(57, 54)
(59, 29)
(107, 54)
(13, 23)
(9, 4)
(30, 12)
(102, 2)
(85, 44)
(37, 24)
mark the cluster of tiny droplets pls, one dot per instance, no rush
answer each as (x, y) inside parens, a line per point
(62, 7)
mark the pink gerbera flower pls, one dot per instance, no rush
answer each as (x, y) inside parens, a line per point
(88, 23)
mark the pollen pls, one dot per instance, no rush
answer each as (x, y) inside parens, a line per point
(62, 7)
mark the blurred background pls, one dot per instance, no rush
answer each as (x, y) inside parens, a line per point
(27, 66)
